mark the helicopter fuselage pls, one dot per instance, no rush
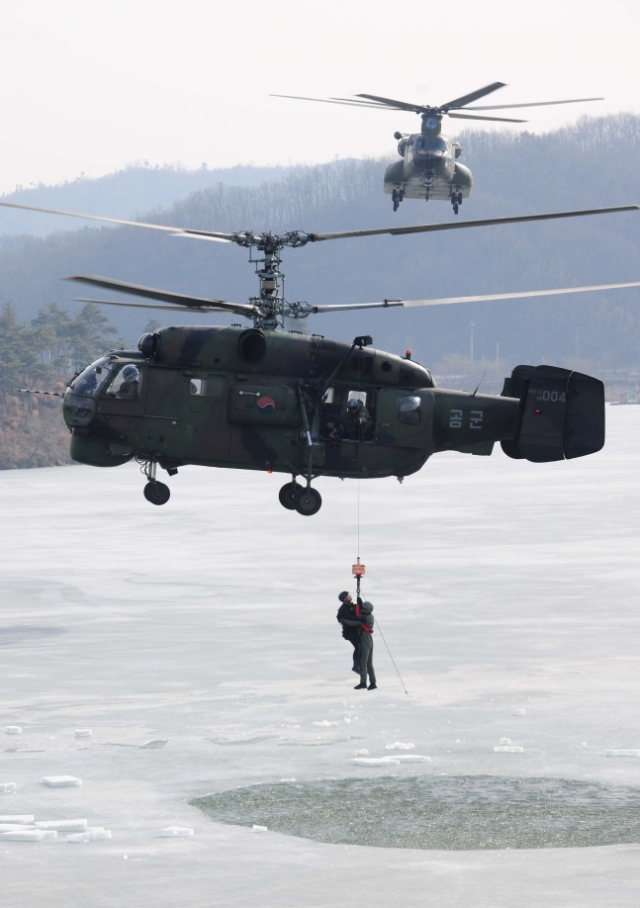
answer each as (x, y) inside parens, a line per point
(428, 169)
(277, 401)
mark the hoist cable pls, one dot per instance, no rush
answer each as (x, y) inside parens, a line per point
(391, 657)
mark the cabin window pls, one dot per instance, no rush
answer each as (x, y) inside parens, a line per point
(409, 411)
(329, 396)
(357, 395)
(127, 385)
(198, 387)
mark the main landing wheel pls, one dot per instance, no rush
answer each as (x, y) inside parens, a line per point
(288, 494)
(308, 502)
(157, 492)
(455, 207)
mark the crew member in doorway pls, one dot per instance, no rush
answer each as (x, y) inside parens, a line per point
(347, 610)
(364, 624)
(358, 419)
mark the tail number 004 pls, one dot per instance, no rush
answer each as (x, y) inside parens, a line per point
(553, 396)
(475, 419)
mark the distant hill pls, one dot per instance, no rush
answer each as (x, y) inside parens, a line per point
(122, 194)
(592, 164)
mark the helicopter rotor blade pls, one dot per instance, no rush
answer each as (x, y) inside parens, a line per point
(535, 104)
(450, 300)
(457, 116)
(344, 101)
(127, 305)
(399, 105)
(457, 103)
(176, 231)
(177, 299)
(459, 225)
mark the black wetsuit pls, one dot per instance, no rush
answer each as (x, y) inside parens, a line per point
(347, 611)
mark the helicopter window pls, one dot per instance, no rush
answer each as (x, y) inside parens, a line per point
(329, 396)
(409, 411)
(424, 143)
(93, 378)
(198, 387)
(127, 385)
(357, 395)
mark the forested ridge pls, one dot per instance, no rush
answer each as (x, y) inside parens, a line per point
(589, 165)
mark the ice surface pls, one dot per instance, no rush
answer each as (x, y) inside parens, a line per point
(377, 761)
(8, 787)
(499, 585)
(622, 753)
(363, 752)
(508, 749)
(259, 828)
(505, 740)
(325, 723)
(63, 825)
(398, 745)
(12, 730)
(23, 818)
(172, 831)
(61, 781)
(83, 733)
(519, 712)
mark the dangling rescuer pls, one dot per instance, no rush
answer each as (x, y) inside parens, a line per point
(363, 624)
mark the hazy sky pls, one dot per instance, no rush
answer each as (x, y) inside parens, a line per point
(91, 85)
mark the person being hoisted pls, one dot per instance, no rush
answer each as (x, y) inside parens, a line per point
(364, 623)
(348, 610)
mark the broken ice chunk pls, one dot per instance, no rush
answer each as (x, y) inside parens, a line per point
(171, 831)
(262, 828)
(22, 818)
(377, 761)
(93, 834)
(154, 745)
(83, 733)
(288, 780)
(519, 712)
(509, 749)
(325, 723)
(61, 781)
(10, 827)
(622, 753)
(8, 787)
(411, 758)
(12, 730)
(27, 835)
(363, 752)
(505, 740)
(64, 825)
(398, 745)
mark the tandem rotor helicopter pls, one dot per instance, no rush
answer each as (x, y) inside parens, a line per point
(264, 398)
(429, 168)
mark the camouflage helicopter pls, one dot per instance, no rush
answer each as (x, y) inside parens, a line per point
(264, 398)
(429, 168)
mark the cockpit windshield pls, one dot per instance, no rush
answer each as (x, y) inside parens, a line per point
(94, 377)
(425, 143)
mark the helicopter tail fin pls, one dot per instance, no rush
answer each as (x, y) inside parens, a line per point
(561, 414)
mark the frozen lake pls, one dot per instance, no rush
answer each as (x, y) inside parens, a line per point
(507, 591)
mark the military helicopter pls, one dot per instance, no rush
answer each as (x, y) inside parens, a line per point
(264, 398)
(429, 168)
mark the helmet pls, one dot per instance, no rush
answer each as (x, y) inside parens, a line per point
(342, 596)
(130, 372)
(353, 404)
(366, 608)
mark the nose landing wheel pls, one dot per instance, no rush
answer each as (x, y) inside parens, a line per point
(456, 201)
(157, 492)
(396, 197)
(154, 491)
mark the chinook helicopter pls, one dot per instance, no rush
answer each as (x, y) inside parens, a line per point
(429, 168)
(264, 398)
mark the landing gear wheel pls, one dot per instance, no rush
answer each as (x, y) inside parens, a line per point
(455, 207)
(157, 492)
(396, 204)
(308, 502)
(288, 495)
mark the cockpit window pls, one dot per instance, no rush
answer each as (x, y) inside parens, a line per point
(94, 377)
(127, 385)
(424, 143)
